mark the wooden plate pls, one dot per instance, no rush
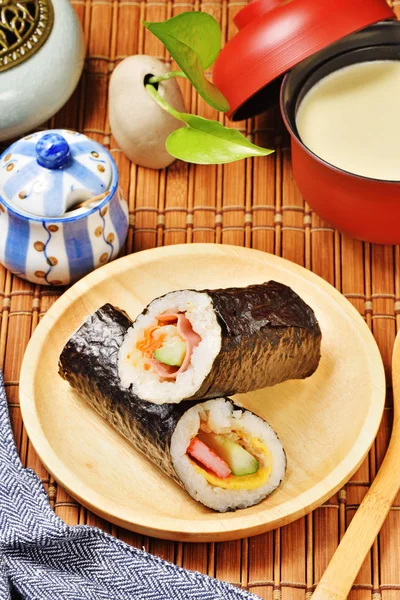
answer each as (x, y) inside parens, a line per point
(327, 423)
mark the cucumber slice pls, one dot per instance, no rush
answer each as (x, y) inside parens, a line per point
(239, 460)
(172, 352)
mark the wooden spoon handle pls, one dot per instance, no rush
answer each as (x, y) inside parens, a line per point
(370, 516)
(361, 533)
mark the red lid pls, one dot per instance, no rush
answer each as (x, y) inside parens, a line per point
(275, 35)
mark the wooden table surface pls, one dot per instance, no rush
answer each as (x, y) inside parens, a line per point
(253, 203)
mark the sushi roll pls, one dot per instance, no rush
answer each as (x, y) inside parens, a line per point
(224, 456)
(205, 344)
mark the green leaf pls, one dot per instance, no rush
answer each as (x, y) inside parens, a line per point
(194, 40)
(208, 142)
(203, 141)
(197, 30)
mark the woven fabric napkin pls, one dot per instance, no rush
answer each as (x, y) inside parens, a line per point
(42, 558)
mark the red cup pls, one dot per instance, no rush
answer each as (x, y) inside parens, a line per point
(364, 208)
(313, 39)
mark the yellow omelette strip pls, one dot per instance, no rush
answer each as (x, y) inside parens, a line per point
(244, 482)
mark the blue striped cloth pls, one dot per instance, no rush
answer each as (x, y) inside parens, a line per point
(42, 558)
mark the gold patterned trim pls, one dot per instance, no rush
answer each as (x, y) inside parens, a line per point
(24, 27)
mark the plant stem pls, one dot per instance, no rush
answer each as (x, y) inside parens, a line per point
(151, 90)
(170, 75)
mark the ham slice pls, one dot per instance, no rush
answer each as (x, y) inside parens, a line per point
(191, 338)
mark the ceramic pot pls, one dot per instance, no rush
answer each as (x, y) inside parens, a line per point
(365, 208)
(66, 174)
(299, 43)
(41, 60)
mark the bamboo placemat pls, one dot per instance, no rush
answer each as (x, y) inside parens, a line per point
(254, 203)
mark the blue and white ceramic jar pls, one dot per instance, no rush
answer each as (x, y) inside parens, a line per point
(62, 213)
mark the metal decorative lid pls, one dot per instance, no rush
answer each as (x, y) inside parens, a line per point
(276, 35)
(24, 28)
(48, 173)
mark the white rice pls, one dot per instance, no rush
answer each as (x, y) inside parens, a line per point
(146, 383)
(222, 418)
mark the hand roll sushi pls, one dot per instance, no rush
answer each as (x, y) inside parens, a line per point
(205, 344)
(224, 456)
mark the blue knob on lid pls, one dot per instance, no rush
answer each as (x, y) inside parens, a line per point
(52, 151)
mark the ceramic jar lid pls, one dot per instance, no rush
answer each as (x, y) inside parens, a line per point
(274, 36)
(47, 173)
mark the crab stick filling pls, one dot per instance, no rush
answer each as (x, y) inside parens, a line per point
(209, 459)
(168, 346)
(232, 461)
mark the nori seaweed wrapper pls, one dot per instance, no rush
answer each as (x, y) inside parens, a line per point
(89, 362)
(269, 335)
